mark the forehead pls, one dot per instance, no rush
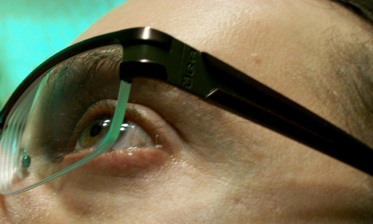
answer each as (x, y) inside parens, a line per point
(227, 28)
(273, 41)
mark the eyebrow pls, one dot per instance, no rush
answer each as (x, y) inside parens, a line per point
(69, 77)
(74, 85)
(85, 67)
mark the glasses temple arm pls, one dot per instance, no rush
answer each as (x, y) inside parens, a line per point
(218, 83)
(248, 98)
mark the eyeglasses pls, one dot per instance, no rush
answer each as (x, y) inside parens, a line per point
(365, 7)
(44, 136)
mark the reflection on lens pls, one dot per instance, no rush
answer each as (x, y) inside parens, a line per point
(26, 160)
(41, 127)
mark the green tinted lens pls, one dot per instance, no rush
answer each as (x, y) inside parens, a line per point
(65, 119)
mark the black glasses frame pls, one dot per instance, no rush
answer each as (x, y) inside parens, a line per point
(365, 7)
(156, 55)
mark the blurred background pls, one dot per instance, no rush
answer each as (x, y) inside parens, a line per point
(32, 31)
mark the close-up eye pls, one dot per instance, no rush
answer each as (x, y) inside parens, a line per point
(94, 125)
(131, 135)
(94, 133)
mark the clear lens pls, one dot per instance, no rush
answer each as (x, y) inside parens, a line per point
(64, 120)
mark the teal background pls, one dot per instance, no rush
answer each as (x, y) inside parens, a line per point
(32, 31)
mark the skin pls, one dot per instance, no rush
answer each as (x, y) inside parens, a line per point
(224, 169)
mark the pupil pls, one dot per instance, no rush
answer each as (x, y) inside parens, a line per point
(95, 130)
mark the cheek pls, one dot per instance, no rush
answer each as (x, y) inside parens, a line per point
(300, 183)
(180, 193)
(35, 206)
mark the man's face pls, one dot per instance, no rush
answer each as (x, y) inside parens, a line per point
(220, 168)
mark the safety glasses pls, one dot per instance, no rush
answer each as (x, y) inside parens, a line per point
(42, 138)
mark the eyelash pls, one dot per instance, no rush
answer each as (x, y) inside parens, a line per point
(99, 116)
